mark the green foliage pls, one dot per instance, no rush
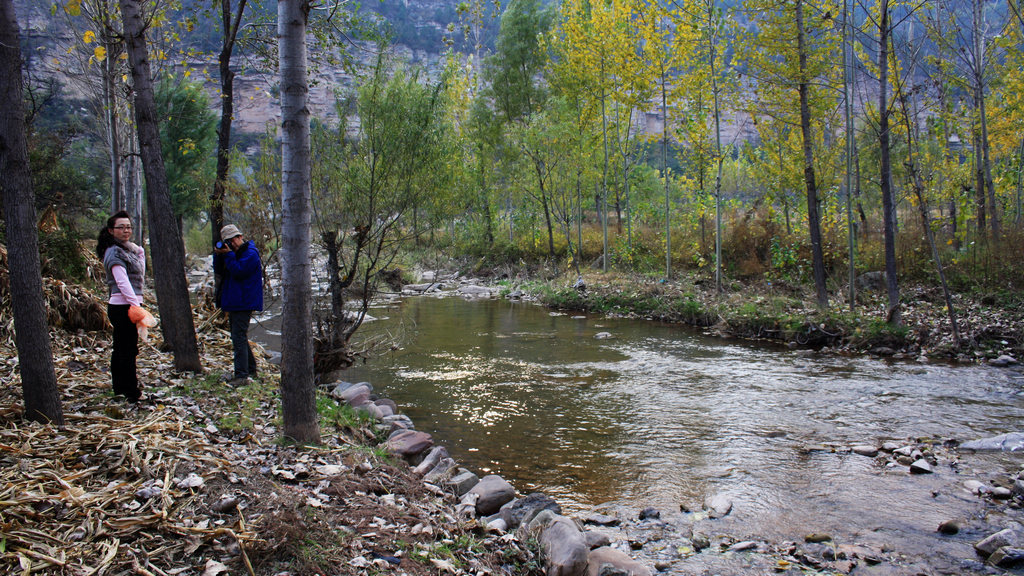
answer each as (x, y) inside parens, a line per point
(61, 254)
(513, 70)
(67, 175)
(197, 238)
(188, 138)
(340, 415)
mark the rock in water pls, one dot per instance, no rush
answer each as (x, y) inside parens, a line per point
(1010, 442)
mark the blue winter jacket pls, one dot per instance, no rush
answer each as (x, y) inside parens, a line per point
(242, 287)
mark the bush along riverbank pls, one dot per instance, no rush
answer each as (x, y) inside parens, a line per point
(991, 329)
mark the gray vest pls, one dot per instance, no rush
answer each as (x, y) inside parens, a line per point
(133, 265)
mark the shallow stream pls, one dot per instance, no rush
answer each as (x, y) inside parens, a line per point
(660, 415)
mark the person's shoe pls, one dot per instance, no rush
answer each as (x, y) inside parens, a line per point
(237, 382)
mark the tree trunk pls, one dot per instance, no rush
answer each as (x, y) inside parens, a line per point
(713, 45)
(986, 168)
(117, 196)
(604, 178)
(166, 248)
(848, 80)
(31, 333)
(664, 172)
(298, 393)
(985, 183)
(227, 111)
(885, 166)
(538, 166)
(813, 218)
(910, 123)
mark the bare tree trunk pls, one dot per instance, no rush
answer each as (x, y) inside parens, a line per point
(117, 196)
(663, 78)
(712, 50)
(31, 333)
(813, 218)
(298, 392)
(117, 193)
(227, 111)
(848, 80)
(604, 177)
(922, 204)
(984, 169)
(885, 165)
(166, 248)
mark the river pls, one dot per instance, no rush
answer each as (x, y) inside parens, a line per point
(627, 414)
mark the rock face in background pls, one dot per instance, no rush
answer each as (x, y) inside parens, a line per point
(420, 27)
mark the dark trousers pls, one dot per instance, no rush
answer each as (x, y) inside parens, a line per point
(245, 362)
(126, 347)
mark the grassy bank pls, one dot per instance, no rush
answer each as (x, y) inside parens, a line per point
(786, 313)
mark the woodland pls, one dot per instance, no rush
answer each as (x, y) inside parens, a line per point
(723, 151)
(788, 144)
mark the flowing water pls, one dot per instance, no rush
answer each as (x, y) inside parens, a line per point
(660, 415)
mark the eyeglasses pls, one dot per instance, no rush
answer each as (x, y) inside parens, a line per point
(124, 227)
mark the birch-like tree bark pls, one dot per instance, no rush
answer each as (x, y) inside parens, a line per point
(298, 392)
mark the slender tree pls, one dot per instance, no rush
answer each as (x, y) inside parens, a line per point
(811, 184)
(31, 333)
(231, 22)
(166, 247)
(298, 392)
(885, 165)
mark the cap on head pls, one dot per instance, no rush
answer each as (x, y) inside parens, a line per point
(228, 232)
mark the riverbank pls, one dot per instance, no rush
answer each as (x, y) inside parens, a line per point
(991, 329)
(195, 480)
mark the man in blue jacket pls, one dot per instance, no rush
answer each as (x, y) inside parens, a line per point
(241, 294)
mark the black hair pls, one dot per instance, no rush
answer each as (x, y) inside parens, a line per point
(106, 239)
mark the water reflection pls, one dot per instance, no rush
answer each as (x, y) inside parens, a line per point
(662, 416)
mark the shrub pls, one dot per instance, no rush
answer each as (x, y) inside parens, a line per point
(61, 254)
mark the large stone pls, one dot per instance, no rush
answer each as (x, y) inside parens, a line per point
(605, 556)
(422, 288)
(398, 422)
(475, 291)
(356, 395)
(444, 470)
(1012, 537)
(1010, 442)
(718, 505)
(524, 509)
(865, 450)
(462, 482)
(494, 492)
(1003, 361)
(564, 548)
(921, 467)
(384, 409)
(597, 538)
(601, 519)
(409, 443)
(435, 455)
(1007, 557)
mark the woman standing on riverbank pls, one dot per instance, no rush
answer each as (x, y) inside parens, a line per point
(125, 265)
